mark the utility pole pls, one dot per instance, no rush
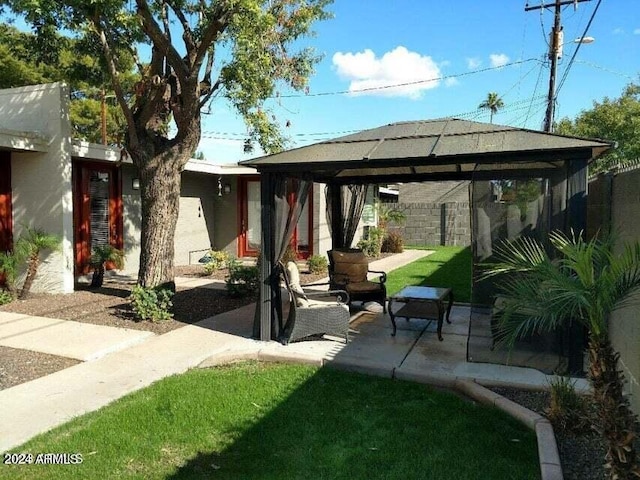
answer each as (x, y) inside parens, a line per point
(554, 52)
(103, 117)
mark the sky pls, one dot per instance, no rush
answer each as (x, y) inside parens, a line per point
(447, 56)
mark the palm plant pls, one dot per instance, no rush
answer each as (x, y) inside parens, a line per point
(493, 103)
(29, 246)
(99, 258)
(8, 269)
(585, 283)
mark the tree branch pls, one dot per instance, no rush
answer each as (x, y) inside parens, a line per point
(167, 32)
(161, 42)
(186, 28)
(211, 33)
(117, 86)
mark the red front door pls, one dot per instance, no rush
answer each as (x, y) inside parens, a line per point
(97, 210)
(6, 216)
(250, 228)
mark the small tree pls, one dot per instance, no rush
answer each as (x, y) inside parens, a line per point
(99, 258)
(584, 284)
(9, 268)
(29, 247)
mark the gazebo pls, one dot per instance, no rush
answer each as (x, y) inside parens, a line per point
(418, 151)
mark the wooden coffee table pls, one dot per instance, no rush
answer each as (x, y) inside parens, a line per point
(421, 302)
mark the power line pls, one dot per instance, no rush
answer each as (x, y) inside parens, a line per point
(573, 57)
(405, 84)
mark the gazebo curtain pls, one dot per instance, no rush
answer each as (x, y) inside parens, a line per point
(289, 198)
(352, 199)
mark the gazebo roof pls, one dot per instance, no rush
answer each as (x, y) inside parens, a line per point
(430, 150)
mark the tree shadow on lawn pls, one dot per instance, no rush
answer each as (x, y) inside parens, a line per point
(348, 426)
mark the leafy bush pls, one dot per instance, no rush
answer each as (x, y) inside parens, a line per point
(393, 243)
(151, 303)
(242, 280)
(5, 297)
(317, 264)
(218, 259)
(372, 244)
(9, 268)
(568, 409)
(290, 255)
(100, 256)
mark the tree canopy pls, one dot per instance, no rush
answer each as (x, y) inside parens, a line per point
(187, 53)
(72, 61)
(615, 119)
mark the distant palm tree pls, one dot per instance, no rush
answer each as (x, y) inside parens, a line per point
(585, 284)
(493, 103)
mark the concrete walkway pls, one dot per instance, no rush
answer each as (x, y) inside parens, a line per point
(37, 406)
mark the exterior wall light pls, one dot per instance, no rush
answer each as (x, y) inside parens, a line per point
(135, 183)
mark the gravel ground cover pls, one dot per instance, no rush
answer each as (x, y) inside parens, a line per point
(581, 455)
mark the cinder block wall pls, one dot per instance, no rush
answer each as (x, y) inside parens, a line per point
(436, 223)
(624, 326)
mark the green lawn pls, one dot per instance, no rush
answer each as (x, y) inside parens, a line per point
(268, 421)
(447, 267)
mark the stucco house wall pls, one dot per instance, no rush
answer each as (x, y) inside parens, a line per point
(44, 153)
(624, 327)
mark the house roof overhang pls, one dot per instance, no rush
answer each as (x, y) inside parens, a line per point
(82, 150)
(21, 141)
(449, 149)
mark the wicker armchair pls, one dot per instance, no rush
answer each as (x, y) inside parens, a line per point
(348, 269)
(313, 317)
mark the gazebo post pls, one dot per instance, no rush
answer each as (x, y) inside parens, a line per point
(265, 307)
(335, 191)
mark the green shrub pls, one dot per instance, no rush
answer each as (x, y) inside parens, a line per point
(218, 259)
(290, 255)
(5, 297)
(9, 268)
(372, 244)
(151, 303)
(568, 410)
(393, 243)
(317, 264)
(242, 280)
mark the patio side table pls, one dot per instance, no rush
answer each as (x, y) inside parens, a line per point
(419, 302)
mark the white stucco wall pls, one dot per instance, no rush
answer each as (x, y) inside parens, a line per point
(38, 200)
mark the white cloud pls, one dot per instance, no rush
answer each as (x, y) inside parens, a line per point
(399, 66)
(473, 63)
(498, 59)
(618, 31)
(636, 31)
(451, 82)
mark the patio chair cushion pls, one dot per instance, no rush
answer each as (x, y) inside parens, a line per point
(294, 283)
(350, 267)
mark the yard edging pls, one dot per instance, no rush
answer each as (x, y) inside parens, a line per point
(548, 455)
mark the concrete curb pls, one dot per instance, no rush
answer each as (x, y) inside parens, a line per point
(548, 456)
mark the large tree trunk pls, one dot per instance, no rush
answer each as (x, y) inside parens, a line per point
(160, 196)
(616, 421)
